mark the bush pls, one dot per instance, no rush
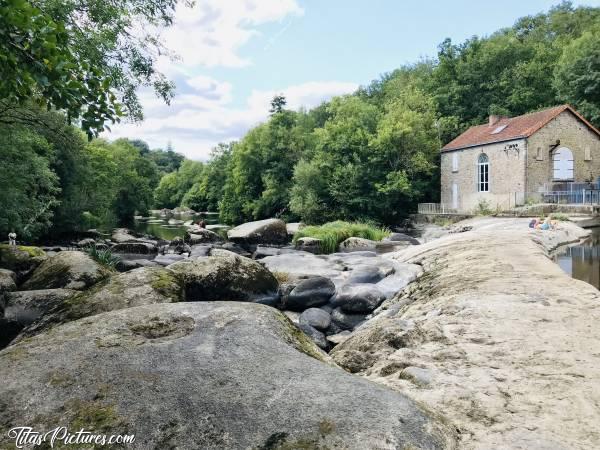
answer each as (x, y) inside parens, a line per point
(104, 257)
(332, 234)
(560, 217)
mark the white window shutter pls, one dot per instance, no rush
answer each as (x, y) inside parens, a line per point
(455, 162)
(587, 154)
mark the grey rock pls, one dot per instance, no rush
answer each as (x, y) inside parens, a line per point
(346, 321)
(87, 242)
(68, 270)
(315, 291)
(353, 244)
(143, 286)
(302, 265)
(401, 237)
(200, 376)
(122, 235)
(309, 244)
(293, 316)
(235, 248)
(317, 336)
(358, 298)
(269, 231)
(7, 281)
(20, 258)
(228, 277)
(25, 307)
(365, 274)
(315, 317)
(202, 236)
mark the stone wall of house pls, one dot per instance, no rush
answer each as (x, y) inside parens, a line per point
(574, 135)
(507, 176)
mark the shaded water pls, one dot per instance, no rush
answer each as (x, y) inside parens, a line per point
(160, 227)
(583, 261)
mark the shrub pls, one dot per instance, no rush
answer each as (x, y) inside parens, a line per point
(560, 217)
(332, 234)
(103, 256)
(483, 208)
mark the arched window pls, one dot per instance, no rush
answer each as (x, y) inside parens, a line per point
(483, 173)
(562, 160)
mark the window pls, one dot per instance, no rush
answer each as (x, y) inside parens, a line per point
(483, 173)
(499, 129)
(455, 162)
(563, 164)
(540, 154)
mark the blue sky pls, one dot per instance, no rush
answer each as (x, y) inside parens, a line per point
(234, 55)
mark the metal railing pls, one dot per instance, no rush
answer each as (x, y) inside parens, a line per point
(436, 208)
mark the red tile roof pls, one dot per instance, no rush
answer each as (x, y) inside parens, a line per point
(514, 128)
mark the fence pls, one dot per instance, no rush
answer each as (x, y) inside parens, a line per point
(436, 209)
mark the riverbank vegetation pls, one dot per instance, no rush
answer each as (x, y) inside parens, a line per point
(332, 234)
(369, 156)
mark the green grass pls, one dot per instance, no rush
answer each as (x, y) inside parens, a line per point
(560, 217)
(332, 234)
(104, 257)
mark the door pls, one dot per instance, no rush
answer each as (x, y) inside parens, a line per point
(563, 164)
(454, 196)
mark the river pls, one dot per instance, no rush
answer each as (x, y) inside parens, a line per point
(173, 226)
(583, 261)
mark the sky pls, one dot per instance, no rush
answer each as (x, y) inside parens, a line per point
(233, 56)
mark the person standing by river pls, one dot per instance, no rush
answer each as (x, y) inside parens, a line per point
(12, 238)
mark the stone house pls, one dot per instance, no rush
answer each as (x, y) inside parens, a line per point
(509, 161)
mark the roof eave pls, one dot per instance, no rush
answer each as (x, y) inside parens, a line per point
(479, 144)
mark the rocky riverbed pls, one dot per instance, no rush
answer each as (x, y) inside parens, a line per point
(474, 339)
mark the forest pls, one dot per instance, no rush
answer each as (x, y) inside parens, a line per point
(369, 156)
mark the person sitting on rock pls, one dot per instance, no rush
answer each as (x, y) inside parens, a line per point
(12, 238)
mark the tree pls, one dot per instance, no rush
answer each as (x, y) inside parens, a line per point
(277, 104)
(82, 56)
(29, 187)
(577, 75)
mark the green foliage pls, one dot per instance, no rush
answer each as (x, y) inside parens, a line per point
(483, 208)
(173, 187)
(332, 234)
(28, 184)
(82, 56)
(103, 256)
(560, 217)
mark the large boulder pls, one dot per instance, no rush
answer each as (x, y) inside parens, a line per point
(26, 307)
(20, 258)
(315, 291)
(302, 264)
(309, 244)
(68, 270)
(401, 237)
(227, 277)
(203, 376)
(269, 231)
(129, 264)
(143, 286)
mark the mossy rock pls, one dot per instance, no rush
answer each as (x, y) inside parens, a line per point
(143, 286)
(68, 270)
(20, 257)
(200, 376)
(227, 277)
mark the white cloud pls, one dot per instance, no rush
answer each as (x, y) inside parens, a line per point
(211, 33)
(195, 124)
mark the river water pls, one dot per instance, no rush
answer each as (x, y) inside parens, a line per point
(171, 227)
(583, 261)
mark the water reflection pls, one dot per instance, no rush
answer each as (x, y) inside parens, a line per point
(171, 226)
(583, 261)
